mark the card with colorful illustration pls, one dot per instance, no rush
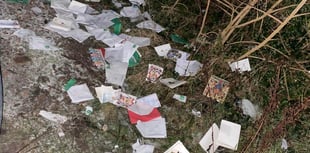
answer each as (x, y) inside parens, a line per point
(126, 100)
(217, 89)
(154, 72)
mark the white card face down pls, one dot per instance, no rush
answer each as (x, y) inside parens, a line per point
(229, 135)
(208, 141)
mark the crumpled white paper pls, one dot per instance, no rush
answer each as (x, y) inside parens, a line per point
(116, 73)
(249, 108)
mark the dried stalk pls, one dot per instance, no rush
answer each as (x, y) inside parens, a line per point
(204, 18)
(268, 13)
(279, 28)
(230, 27)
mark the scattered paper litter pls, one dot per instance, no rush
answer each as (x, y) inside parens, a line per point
(24, 34)
(249, 108)
(240, 66)
(155, 128)
(151, 100)
(117, 4)
(53, 117)
(178, 147)
(140, 41)
(62, 24)
(226, 136)
(9, 24)
(107, 94)
(130, 11)
(187, 68)
(180, 98)
(171, 82)
(137, 2)
(154, 72)
(77, 7)
(150, 24)
(142, 148)
(116, 73)
(80, 93)
(162, 50)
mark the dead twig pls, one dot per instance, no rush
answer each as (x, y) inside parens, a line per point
(277, 30)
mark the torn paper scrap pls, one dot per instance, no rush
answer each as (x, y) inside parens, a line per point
(77, 7)
(137, 2)
(141, 108)
(208, 141)
(171, 82)
(175, 54)
(134, 117)
(130, 11)
(180, 98)
(60, 4)
(140, 41)
(240, 66)
(117, 4)
(116, 73)
(142, 148)
(62, 24)
(154, 72)
(216, 89)
(53, 117)
(9, 24)
(107, 94)
(284, 144)
(80, 93)
(178, 147)
(112, 40)
(196, 112)
(187, 68)
(151, 99)
(135, 59)
(150, 24)
(229, 135)
(126, 100)
(162, 50)
(155, 128)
